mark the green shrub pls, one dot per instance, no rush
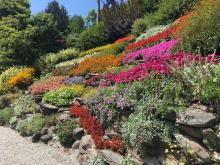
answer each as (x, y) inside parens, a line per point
(92, 37)
(5, 76)
(8, 99)
(47, 63)
(201, 34)
(5, 116)
(141, 130)
(24, 105)
(52, 120)
(128, 161)
(63, 96)
(97, 160)
(139, 26)
(31, 125)
(65, 133)
(204, 82)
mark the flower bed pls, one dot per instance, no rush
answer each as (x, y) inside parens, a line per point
(158, 65)
(44, 86)
(93, 127)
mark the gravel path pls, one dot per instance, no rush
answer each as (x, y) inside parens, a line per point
(16, 150)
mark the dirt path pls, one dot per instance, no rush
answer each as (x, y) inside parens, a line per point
(16, 150)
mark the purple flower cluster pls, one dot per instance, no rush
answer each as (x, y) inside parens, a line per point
(73, 80)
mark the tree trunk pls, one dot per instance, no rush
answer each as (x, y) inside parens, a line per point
(98, 10)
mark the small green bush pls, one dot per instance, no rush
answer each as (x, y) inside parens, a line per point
(24, 105)
(5, 116)
(128, 161)
(65, 133)
(47, 63)
(97, 160)
(92, 37)
(5, 76)
(139, 26)
(31, 125)
(63, 96)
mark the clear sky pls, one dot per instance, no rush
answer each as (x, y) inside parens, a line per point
(74, 7)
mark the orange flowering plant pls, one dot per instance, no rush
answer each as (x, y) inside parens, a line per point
(22, 78)
(97, 64)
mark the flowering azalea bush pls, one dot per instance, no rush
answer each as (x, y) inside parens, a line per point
(96, 64)
(22, 78)
(5, 76)
(93, 127)
(49, 84)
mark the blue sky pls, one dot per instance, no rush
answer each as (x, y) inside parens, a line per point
(74, 7)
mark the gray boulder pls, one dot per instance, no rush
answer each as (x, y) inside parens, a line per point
(86, 143)
(200, 154)
(46, 138)
(196, 118)
(191, 131)
(48, 109)
(111, 157)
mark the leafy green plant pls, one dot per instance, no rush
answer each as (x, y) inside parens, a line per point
(63, 96)
(65, 133)
(203, 82)
(142, 129)
(31, 125)
(24, 105)
(97, 160)
(5, 116)
(128, 160)
(139, 26)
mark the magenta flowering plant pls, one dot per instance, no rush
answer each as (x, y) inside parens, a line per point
(156, 50)
(160, 64)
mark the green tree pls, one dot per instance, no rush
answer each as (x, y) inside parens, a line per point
(60, 15)
(76, 24)
(44, 35)
(91, 19)
(17, 8)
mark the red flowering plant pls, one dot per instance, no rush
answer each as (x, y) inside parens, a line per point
(124, 39)
(93, 127)
(52, 83)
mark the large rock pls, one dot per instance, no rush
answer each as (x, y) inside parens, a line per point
(191, 131)
(111, 157)
(48, 109)
(86, 143)
(78, 133)
(195, 149)
(46, 138)
(216, 157)
(75, 145)
(37, 98)
(194, 117)
(36, 137)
